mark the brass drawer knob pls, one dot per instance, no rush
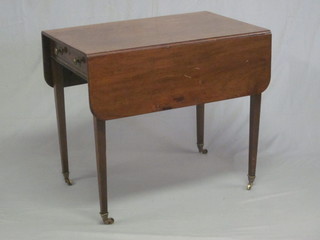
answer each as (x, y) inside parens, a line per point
(60, 50)
(79, 60)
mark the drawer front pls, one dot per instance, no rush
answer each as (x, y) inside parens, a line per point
(71, 58)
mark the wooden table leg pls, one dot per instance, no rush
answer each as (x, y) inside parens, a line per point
(61, 118)
(100, 142)
(200, 128)
(255, 106)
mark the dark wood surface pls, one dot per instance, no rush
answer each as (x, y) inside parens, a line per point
(135, 82)
(100, 143)
(147, 65)
(142, 33)
(70, 77)
(255, 106)
(57, 71)
(200, 128)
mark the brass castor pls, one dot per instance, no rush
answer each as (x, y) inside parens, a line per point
(106, 219)
(66, 178)
(201, 149)
(251, 180)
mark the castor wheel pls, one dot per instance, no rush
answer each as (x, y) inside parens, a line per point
(204, 151)
(201, 149)
(106, 220)
(66, 178)
(251, 180)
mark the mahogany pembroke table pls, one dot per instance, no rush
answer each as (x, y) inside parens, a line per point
(154, 64)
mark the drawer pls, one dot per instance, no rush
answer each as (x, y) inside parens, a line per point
(71, 58)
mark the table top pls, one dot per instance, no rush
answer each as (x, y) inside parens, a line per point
(144, 33)
(140, 66)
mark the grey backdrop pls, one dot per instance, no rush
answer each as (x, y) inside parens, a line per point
(160, 187)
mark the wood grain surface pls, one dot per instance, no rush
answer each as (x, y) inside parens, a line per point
(140, 33)
(138, 81)
(147, 65)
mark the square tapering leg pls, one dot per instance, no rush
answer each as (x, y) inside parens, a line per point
(255, 107)
(61, 117)
(200, 129)
(100, 143)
